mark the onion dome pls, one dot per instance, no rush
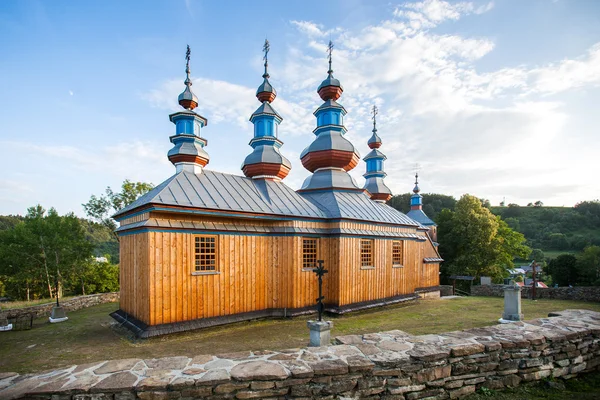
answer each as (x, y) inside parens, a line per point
(416, 189)
(188, 152)
(375, 174)
(266, 161)
(330, 155)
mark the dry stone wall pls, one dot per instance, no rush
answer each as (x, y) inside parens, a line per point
(386, 365)
(580, 293)
(74, 304)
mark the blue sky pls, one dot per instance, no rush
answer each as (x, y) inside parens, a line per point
(497, 99)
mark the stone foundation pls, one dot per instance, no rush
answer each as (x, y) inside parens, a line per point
(579, 293)
(387, 365)
(74, 304)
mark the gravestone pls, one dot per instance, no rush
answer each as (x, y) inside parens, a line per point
(4, 325)
(512, 304)
(320, 333)
(58, 315)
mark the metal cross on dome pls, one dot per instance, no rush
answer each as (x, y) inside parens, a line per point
(266, 48)
(374, 111)
(330, 50)
(188, 52)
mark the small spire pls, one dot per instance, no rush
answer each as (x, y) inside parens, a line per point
(188, 99)
(375, 141)
(330, 51)
(266, 49)
(266, 92)
(416, 188)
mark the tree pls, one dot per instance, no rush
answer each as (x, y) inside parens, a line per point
(432, 203)
(538, 204)
(475, 242)
(537, 255)
(563, 270)
(40, 250)
(588, 266)
(101, 208)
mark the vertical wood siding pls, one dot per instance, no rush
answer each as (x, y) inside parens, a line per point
(256, 273)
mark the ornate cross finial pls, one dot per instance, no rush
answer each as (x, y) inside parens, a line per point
(266, 48)
(374, 112)
(188, 81)
(330, 50)
(417, 168)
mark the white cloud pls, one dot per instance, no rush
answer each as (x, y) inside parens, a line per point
(472, 131)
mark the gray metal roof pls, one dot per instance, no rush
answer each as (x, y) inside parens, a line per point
(329, 178)
(266, 154)
(330, 104)
(330, 81)
(375, 154)
(374, 138)
(219, 191)
(356, 205)
(330, 140)
(265, 108)
(428, 260)
(420, 217)
(266, 87)
(188, 148)
(376, 185)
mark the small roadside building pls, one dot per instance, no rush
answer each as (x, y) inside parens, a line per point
(205, 248)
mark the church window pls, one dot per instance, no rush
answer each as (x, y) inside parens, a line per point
(366, 252)
(310, 248)
(398, 253)
(205, 254)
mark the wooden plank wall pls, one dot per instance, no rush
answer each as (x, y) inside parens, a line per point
(133, 276)
(358, 285)
(256, 273)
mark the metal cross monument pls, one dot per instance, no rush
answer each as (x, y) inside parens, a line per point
(320, 271)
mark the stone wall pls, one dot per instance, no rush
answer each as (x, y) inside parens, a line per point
(581, 293)
(446, 290)
(76, 303)
(387, 365)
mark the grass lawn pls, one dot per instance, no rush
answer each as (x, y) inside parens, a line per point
(22, 304)
(90, 334)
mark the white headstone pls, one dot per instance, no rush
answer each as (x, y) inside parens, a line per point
(512, 304)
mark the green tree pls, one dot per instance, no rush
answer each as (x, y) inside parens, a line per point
(101, 208)
(37, 252)
(433, 203)
(588, 266)
(475, 242)
(563, 270)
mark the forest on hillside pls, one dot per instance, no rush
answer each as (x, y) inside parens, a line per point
(550, 229)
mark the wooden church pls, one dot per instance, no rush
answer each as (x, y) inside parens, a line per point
(206, 248)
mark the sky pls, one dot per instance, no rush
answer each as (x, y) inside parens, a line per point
(499, 99)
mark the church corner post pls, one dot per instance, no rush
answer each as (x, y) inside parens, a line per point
(320, 331)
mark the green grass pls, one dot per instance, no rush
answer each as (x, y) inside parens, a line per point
(91, 335)
(585, 387)
(9, 305)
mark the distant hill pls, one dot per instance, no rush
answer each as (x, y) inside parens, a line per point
(555, 229)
